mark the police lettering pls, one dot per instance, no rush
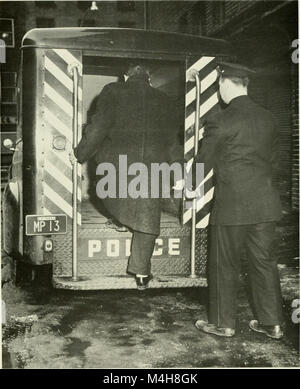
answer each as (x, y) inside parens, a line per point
(114, 248)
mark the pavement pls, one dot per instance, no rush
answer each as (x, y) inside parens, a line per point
(49, 328)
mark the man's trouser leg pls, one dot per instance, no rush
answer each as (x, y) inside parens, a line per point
(226, 243)
(263, 274)
(171, 205)
(142, 247)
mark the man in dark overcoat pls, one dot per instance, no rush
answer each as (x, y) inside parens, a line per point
(136, 121)
(240, 144)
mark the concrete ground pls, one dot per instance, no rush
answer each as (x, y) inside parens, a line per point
(131, 329)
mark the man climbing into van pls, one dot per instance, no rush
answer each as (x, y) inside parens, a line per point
(135, 120)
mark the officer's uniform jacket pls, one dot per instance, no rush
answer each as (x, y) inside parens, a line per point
(136, 120)
(240, 144)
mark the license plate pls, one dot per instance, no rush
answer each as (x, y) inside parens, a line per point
(46, 225)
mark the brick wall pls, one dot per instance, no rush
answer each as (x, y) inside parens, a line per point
(173, 15)
(295, 138)
(30, 14)
(195, 17)
(220, 13)
(264, 50)
(170, 15)
(235, 8)
(68, 14)
(213, 15)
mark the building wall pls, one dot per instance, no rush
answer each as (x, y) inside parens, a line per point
(169, 15)
(295, 138)
(186, 16)
(70, 13)
(261, 32)
(235, 8)
(30, 14)
(256, 45)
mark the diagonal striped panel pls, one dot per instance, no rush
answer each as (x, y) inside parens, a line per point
(204, 108)
(55, 201)
(60, 75)
(61, 177)
(199, 64)
(209, 102)
(205, 84)
(58, 121)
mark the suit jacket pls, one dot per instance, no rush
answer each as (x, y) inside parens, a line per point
(240, 144)
(135, 120)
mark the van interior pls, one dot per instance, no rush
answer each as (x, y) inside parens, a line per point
(167, 76)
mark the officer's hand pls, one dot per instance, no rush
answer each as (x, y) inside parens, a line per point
(191, 75)
(72, 157)
(179, 185)
(193, 194)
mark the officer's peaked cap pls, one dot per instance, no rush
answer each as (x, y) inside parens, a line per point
(234, 70)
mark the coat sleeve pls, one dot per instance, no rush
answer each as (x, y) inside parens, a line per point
(97, 129)
(174, 129)
(211, 144)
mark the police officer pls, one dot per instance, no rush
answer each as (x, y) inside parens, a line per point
(135, 120)
(240, 144)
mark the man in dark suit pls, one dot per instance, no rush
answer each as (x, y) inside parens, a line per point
(135, 120)
(240, 144)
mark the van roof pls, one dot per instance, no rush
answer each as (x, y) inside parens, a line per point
(124, 39)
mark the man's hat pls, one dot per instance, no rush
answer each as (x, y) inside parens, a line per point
(148, 64)
(234, 70)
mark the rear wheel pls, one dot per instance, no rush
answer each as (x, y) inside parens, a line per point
(7, 268)
(42, 276)
(23, 273)
(32, 275)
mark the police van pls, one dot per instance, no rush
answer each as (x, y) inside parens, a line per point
(49, 214)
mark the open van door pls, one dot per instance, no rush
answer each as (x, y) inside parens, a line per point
(201, 100)
(62, 120)
(100, 254)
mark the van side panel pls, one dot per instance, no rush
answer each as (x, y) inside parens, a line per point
(33, 146)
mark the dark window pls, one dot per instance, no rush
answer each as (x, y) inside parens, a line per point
(45, 22)
(83, 5)
(126, 24)
(125, 6)
(9, 95)
(86, 23)
(7, 32)
(6, 24)
(8, 79)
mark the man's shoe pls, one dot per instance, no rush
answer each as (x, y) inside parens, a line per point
(142, 283)
(121, 229)
(274, 332)
(115, 226)
(213, 330)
